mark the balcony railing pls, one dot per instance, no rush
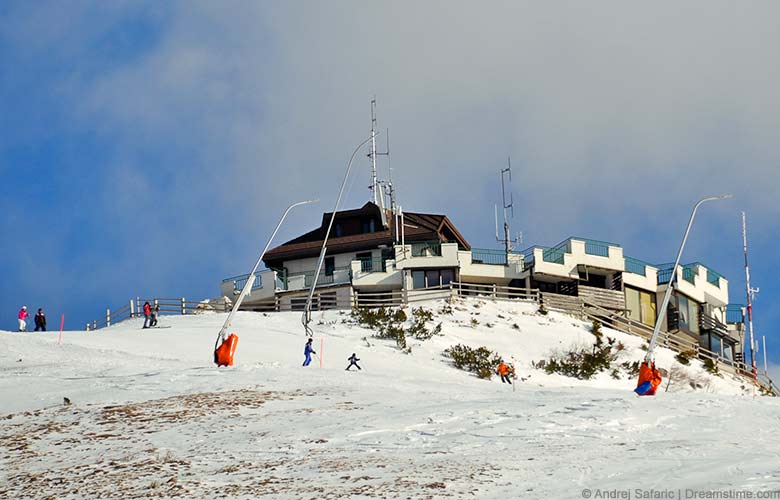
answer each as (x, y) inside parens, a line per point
(713, 278)
(555, 254)
(734, 314)
(240, 281)
(488, 256)
(689, 274)
(426, 249)
(596, 247)
(373, 265)
(665, 273)
(636, 266)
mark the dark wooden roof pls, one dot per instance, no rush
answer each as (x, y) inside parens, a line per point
(418, 227)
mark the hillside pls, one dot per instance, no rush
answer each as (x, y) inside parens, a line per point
(151, 413)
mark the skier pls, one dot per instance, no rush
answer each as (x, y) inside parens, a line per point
(155, 313)
(147, 314)
(353, 361)
(308, 351)
(505, 373)
(40, 320)
(22, 317)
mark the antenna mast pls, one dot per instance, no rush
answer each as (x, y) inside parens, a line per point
(507, 241)
(376, 187)
(751, 292)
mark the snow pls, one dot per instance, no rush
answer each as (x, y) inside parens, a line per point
(152, 416)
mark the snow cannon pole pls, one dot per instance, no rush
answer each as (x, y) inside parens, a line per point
(672, 279)
(62, 325)
(306, 317)
(251, 279)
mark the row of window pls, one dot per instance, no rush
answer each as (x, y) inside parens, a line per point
(432, 277)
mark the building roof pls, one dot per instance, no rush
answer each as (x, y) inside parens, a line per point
(417, 227)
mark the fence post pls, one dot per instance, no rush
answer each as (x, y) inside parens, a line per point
(138, 304)
(132, 309)
(183, 306)
(108, 317)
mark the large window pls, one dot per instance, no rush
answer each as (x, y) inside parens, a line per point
(641, 306)
(432, 277)
(689, 313)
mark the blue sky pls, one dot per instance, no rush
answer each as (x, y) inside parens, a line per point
(148, 148)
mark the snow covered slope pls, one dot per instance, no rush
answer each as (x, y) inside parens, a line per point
(152, 415)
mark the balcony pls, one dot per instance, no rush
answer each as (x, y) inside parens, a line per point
(688, 273)
(636, 266)
(426, 255)
(490, 257)
(734, 314)
(262, 288)
(304, 280)
(375, 273)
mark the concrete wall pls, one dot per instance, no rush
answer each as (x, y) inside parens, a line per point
(489, 273)
(448, 258)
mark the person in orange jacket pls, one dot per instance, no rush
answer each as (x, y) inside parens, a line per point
(505, 372)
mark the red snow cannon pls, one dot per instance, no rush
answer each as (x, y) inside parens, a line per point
(223, 355)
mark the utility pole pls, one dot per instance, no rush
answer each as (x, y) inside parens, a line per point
(751, 292)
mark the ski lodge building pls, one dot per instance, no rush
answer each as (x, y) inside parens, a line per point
(389, 259)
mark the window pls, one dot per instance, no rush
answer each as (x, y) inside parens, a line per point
(633, 304)
(366, 262)
(432, 277)
(647, 300)
(418, 279)
(330, 266)
(682, 308)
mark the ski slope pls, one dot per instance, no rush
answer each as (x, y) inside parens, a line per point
(150, 415)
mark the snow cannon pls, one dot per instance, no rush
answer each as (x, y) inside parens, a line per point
(223, 355)
(649, 379)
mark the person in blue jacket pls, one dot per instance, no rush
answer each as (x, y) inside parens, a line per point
(308, 351)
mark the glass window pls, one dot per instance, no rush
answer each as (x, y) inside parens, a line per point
(648, 308)
(330, 266)
(693, 309)
(632, 304)
(716, 345)
(682, 308)
(432, 278)
(447, 276)
(418, 279)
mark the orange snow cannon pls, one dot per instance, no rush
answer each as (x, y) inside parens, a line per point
(223, 355)
(649, 379)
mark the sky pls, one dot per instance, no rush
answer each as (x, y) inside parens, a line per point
(148, 148)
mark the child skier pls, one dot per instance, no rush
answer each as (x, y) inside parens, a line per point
(22, 317)
(308, 351)
(353, 362)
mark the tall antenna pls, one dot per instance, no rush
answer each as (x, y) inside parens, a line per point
(507, 241)
(751, 292)
(377, 194)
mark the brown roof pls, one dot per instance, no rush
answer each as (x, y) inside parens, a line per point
(417, 227)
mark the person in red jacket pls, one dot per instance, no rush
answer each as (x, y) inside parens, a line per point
(22, 317)
(147, 314)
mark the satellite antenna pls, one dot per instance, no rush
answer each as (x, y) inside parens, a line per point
(506, 240)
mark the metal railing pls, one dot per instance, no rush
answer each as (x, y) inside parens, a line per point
(596, 247)
(488, 256)
(426, 249)
(636, 266)
(734, 314)
(555, 254)
(134, 309)
(713, 277)
(689, 274)
(240, 281)
(374, 265)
